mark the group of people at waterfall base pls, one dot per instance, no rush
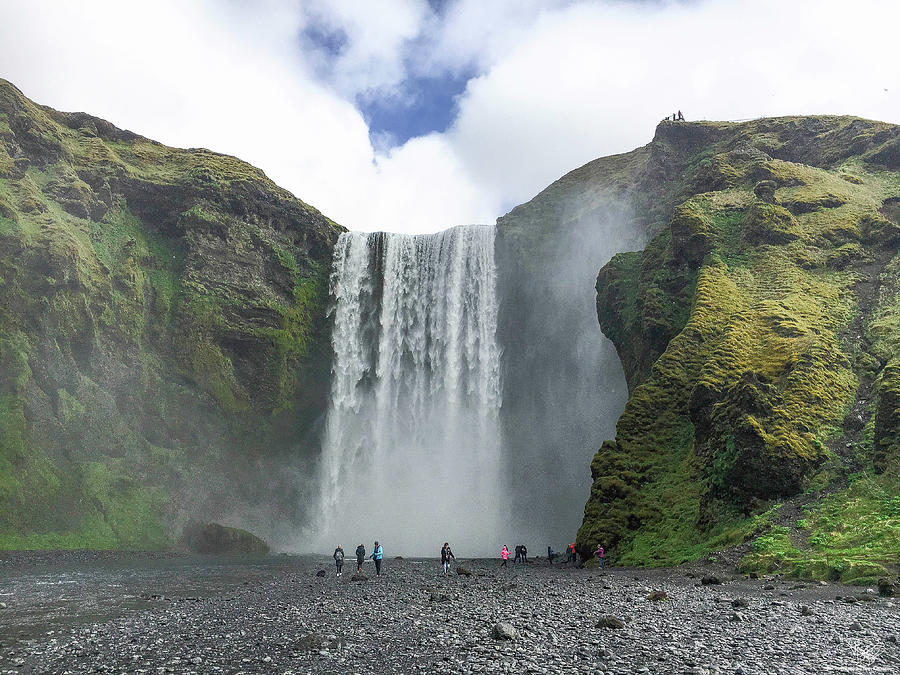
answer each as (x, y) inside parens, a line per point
(377, 556)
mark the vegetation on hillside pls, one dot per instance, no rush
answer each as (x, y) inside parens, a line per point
(758, 333)
(162, 329)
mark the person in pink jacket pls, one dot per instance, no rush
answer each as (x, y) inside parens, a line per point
(599, 554)
(504, 555)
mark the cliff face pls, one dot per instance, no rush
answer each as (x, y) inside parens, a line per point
(162, 329)
(759, 330)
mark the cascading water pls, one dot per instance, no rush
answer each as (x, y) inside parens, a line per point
(411, 453)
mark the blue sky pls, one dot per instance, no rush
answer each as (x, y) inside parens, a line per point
(424, 103)
(416, 115)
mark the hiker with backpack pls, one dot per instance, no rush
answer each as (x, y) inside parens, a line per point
(338, 559)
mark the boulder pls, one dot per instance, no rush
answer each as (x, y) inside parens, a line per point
(464, 571)
(504, 631)
(359, 577)
(740, 603)
(887, 588)
(609, 621)
(320, 573)
(658, 596)
(710, 581)
(212, 539)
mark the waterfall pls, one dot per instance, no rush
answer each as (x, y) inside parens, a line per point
(411, 454)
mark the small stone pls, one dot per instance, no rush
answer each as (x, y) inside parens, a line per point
(710, 581)
(609, 621)
(769, 587)
(856, 625)
(736, 617)
(823, 583)
(3, 605)
(754, 575)
(439, 597)
(740, 602)
(805, 610)
(504, 631)
(359, 577)
(320, 573)
(658, 596)
(850, 599)
(463, 571)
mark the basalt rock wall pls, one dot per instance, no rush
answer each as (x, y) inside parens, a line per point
(163, 340)
(758, 329)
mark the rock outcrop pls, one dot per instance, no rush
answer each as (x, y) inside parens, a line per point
(162, 332)
(758, 329)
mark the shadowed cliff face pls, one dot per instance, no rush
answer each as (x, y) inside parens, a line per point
(758, 331)
(162, 334)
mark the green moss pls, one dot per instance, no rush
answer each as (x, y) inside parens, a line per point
(759, 369)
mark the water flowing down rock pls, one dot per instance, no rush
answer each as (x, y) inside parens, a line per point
(412, 443)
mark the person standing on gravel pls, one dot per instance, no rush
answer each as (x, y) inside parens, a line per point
(571, 557)
(339, 559)
(550, 554)
(504, 556)
(446, 554)
(518, 557)
(377, 555)
(360, 557)
(599, 554)
(524, 554)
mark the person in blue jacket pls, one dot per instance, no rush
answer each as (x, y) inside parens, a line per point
(377, 555)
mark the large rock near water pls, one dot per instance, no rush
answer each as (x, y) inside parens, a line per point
(212, 538)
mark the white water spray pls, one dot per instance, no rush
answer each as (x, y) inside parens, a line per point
(412, 454)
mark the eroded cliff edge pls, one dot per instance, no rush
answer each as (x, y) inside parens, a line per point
(759, 330)
(163, 342)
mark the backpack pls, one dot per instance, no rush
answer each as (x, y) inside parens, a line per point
(339, 554)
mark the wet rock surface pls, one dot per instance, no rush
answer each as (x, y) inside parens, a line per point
(115, 612)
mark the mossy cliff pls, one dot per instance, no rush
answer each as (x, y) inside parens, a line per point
(162, 331)
(759, 329)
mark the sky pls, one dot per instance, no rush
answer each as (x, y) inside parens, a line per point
(417, 115)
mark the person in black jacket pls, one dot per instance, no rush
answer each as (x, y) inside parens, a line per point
(360, 556)
(446, 554)
(339, 559)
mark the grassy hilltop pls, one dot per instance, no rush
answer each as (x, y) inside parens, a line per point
(162, 329)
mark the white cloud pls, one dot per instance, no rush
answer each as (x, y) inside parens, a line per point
(559, 84)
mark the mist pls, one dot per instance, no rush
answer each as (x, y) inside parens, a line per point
(564, 387)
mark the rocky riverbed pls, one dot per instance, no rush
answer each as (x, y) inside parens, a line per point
(146, 613)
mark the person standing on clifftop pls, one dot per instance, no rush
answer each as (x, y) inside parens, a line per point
(360, 557)
(446, 554)
(504, 556)
(377, 555)
(339, 559)
(680, 117)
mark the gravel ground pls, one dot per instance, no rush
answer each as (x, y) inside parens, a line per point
(134, 613)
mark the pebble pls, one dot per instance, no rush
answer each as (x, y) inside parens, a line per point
(278, 617)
